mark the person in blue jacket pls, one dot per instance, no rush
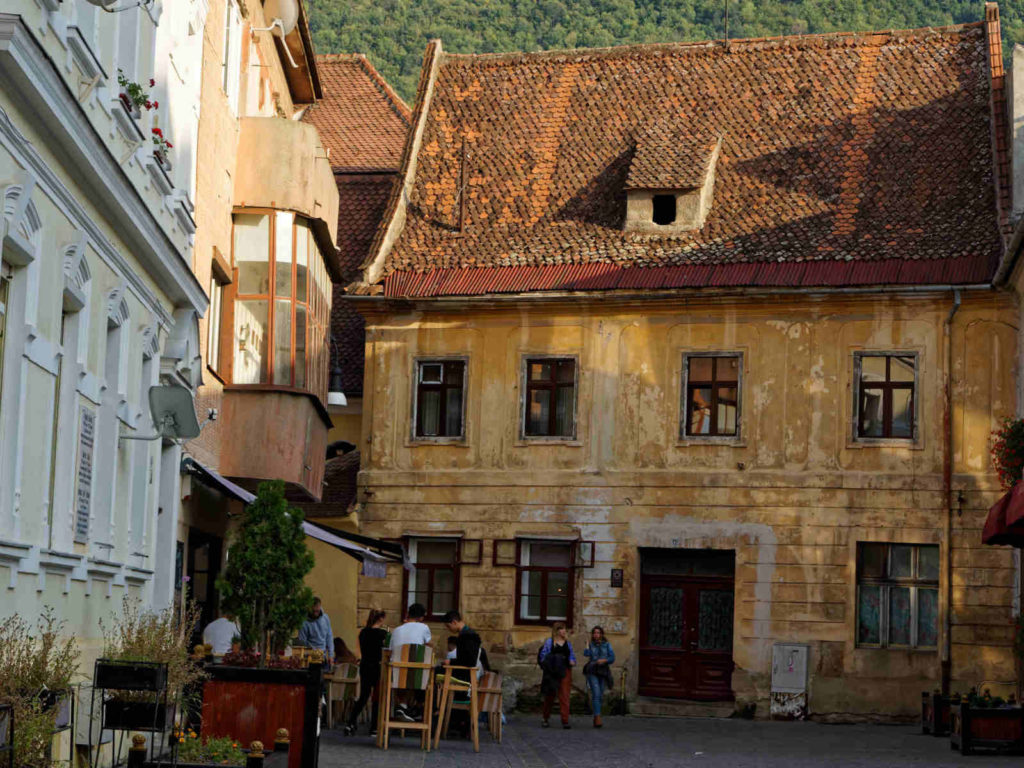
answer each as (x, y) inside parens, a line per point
(556, 658)
(598, 670)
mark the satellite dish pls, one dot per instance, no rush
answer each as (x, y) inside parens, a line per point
(173, 412)
(284, 11)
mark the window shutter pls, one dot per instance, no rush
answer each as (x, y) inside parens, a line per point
(506, 552)
(470, 551)
(583, 554)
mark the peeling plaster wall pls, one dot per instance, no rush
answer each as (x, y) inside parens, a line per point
(792, 496)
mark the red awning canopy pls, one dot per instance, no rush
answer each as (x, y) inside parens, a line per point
(1005, 522)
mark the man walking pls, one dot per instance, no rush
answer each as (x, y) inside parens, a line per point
(316, 631)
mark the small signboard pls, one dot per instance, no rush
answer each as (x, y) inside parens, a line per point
(83, 480)
(616, 577)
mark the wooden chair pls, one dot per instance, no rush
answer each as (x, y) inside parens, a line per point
(451, 686)
(412, 670)
(491, 701)
(342, 688)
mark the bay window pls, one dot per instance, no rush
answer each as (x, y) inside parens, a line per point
(281, 303)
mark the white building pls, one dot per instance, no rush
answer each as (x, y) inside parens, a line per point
(98, 301)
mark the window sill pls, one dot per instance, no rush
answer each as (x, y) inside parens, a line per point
(903, 648)
(523, 442)
(691, 441)
(540, 623)
(453, 442)
(884, 442)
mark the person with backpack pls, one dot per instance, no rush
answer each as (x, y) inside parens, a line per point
(556, 659)
(598, 670)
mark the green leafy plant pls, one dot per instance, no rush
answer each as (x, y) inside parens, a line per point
(193, 748)
(158, 636)
(263, 584)
(33, 661)
(134, 92)
(1008, 451)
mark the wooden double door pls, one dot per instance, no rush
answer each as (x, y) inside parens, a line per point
(686, 624)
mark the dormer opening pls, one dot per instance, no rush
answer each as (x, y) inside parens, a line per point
(664, 209)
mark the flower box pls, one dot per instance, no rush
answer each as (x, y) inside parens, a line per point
(934, 714)
(130, 675)
(122, 715)
(130, 107)
(161, 157)
(999, 729)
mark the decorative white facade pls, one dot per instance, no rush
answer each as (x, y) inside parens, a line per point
(98, 302)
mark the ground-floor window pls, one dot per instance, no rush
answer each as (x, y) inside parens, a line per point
(435, 581)
(897, 595)
(545, 582)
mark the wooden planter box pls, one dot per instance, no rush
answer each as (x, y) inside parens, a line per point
(934, 714)
(250, 704)
(974, 729)
(130, 675)
(119, 715)
(276, 758)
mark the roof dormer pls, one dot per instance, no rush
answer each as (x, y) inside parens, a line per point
(671, 182)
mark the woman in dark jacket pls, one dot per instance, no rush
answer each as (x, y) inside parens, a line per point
(371, 645)
(556, 658)
(598, 670)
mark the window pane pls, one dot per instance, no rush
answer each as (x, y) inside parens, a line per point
(538, 411)
(213, 337)
(283, 342)
(700, 368)
(430, 373)
(540, 370)
(899, 616)
(443, 602)
(564, 412)
(548, 555)
(453, 373)
(430, 412)
(431, 551)
(700, 411)
(567, 371)
(250, 342)
(283, 234)
(872, 561)
(300, 345)
(927, 617)
(252, 253)
(727, 369)
(928, 563)
(302, 245)
(901, 368)
(726, 411)
(529, 601)
(558, 608)
(419, 596)
(869, 612)
(453, 412)
(558, 584)
(872, 368)
(902, 413)
(871, 413)
(901, 561)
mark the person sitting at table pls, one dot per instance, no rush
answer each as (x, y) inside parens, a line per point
(413, 631)
(342, 654)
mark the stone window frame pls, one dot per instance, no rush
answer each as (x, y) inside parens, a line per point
(467, 552)
(524, 368)
(887, 582)
(417, 362)
(684, 411)
(856, 438)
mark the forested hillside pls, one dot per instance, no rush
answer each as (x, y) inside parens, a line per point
(394, 33)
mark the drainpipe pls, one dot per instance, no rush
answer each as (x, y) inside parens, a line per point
(947, 487)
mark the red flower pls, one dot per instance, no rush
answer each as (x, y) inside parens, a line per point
(158, 132)
(152, 82)
(169, 145)
(149, 105)
(156, 104)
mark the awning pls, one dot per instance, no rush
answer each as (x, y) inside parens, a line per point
(372, 553)
(208, 477)
(1005, 521)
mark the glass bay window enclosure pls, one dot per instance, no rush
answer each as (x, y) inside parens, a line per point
(282, 301)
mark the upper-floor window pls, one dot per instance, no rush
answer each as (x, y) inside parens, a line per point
(440, 386)
(5, 283)
(886, 394)
(712, 392)
(281, 303)
(231, 60)
(550, 397)
(897, 595)
(213, 323)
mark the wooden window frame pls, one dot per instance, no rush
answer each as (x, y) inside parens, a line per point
(689, 385)
(886, 582)
(581, 555)
(417, 395)
(552, 386)
(888, 387)
(455, 566)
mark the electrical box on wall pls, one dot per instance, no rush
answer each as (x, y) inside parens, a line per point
(789, 681)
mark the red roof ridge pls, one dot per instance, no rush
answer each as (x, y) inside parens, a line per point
(1000, 130)
(870, 37)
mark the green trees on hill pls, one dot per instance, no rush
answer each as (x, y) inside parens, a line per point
(394, 33)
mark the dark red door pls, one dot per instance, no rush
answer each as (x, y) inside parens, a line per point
(686, 615)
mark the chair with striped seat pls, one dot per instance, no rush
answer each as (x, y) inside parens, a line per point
(412, 670)
(451, 687)
(342, 688)
(491, 700)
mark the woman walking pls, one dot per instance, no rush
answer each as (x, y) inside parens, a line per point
(556, 658)
(598, 670)
(371, 644)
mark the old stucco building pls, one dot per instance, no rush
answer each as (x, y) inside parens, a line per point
(699, 343)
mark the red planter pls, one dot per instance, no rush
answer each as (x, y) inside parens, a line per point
(934, 714)
(973, 729)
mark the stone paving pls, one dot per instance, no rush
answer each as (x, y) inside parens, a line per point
(636, 742)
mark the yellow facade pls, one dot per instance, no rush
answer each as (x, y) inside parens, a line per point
(792, 496)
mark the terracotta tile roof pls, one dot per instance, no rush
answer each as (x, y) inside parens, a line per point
(845, 159)
(361, 120)
(671, 160)
(340, 476)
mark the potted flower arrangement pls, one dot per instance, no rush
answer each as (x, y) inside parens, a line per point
(160, 147)
(145, 668)
(986, 722)
(194, 751)
(133, 96)
(37, 666)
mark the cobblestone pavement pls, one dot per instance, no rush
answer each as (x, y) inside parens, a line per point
(661, 743)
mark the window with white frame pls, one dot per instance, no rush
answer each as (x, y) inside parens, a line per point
(897, 595)
(57, 396)
(435, 581)
(545, 579)
(5, 288)
(231, 60)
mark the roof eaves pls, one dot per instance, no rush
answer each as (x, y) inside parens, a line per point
(1000, 130)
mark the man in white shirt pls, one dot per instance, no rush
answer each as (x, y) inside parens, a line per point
(219, 634)
(413, 631)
